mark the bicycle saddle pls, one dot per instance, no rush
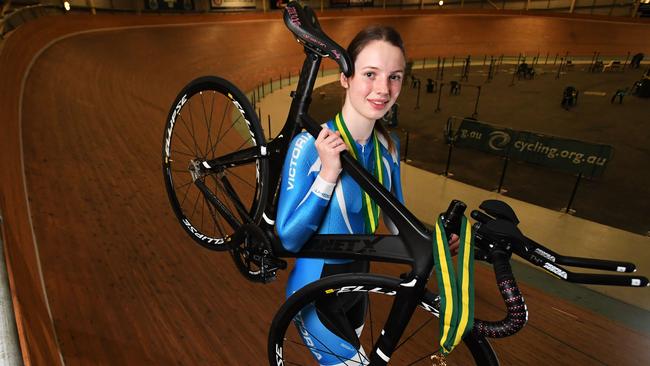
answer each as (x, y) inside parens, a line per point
(303, 24)
(500, 210)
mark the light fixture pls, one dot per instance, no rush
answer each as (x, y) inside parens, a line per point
(441, 3)
(66, 6)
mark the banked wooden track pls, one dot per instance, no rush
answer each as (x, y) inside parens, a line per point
(83, 101)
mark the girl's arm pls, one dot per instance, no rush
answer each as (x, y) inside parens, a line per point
(304, 196)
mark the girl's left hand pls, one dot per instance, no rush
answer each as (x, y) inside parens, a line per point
(454, 244)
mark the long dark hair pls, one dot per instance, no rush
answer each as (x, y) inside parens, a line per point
(359, 42)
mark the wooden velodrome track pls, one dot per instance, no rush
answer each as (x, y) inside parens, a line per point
(84, 100)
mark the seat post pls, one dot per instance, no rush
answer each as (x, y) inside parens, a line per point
(301, 98)
(307, 80)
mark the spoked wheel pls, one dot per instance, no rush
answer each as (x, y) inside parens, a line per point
(298, 337)
(214, 162)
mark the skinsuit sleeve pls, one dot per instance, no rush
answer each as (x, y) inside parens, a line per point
(304, 196)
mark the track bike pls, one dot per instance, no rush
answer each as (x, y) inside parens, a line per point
(223, 177)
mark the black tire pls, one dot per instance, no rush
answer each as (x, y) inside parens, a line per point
(210, 118)
(418, 343)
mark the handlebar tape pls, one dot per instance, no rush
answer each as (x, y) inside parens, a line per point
(517, 312)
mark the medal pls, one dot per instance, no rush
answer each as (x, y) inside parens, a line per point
(438, 359)
(456, 290)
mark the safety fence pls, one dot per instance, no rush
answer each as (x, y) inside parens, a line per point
(491, 64)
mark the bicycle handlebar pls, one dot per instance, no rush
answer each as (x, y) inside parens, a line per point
(497, 237)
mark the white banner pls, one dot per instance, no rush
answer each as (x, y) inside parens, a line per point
(233, 3)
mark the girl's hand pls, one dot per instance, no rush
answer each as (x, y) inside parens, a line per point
(454, 244)
(329, 145)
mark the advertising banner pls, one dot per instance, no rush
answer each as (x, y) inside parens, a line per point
(222, 4)
(555, 152)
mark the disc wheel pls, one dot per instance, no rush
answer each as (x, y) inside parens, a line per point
(294, 341)
(214, 162)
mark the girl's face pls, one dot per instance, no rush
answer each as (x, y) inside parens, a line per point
(377, 80)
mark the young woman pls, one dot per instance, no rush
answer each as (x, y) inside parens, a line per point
(317, 197)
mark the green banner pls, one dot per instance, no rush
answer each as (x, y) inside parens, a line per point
(555, 152)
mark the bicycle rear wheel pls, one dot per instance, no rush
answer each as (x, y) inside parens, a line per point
(214, 162)
(292, 343)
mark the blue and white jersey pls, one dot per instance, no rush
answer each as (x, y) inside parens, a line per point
(310, 205)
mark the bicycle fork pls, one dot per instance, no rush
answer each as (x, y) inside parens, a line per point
(406, 301)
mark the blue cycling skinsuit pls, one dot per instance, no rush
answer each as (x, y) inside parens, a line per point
(309, 205)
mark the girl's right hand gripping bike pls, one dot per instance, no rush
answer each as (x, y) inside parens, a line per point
(223, 178)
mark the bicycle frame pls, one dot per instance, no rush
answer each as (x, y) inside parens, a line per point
(413, 244)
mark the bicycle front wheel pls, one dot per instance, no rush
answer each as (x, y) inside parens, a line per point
(293, 341)
(214, 162)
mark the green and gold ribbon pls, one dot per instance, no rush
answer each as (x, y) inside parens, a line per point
(456, 292)
(370, 208)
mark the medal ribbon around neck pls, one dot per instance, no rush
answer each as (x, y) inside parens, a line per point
(456, 292)
(370, 209)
